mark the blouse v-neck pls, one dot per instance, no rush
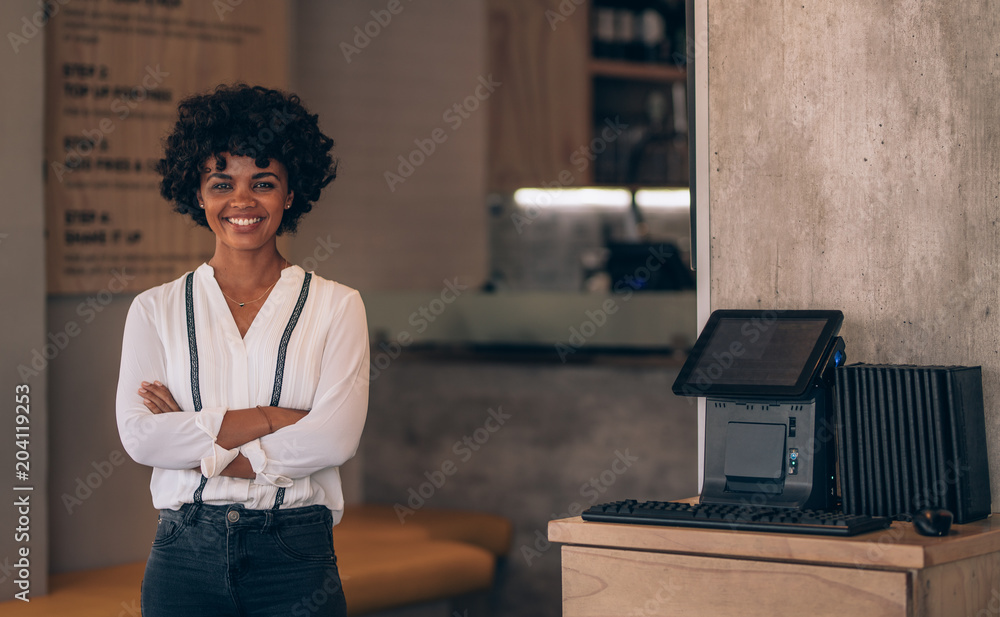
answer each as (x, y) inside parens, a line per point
(275, 293)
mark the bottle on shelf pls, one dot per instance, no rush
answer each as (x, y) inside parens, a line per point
(647, 31)
(653, 36)
(613, 159)
(603, 32)
(626, 35)
(648, 161)
(678, 164)
(660, 158)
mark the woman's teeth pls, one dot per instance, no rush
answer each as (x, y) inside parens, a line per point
(245, 221)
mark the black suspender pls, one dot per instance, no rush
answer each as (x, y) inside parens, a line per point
(279, 372)
(193, 352)
(192, 340)
(283, 347)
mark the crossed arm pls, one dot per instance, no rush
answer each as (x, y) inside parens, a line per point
(239, 426)
(281, 443)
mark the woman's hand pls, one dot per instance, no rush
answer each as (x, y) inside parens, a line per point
(239, 468)
(157, 398)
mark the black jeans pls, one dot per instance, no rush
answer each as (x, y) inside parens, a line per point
(227, 560)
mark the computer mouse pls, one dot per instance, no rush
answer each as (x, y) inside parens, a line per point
(933, 522)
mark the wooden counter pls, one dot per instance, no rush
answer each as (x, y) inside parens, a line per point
(612, 569)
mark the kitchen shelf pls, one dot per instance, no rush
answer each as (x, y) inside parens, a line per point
(637, 71)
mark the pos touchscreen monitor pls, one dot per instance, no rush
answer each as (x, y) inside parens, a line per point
(755, 353)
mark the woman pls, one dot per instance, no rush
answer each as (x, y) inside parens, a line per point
(244, 384)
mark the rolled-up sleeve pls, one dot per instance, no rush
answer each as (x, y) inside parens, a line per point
(328, 436)
(210, 421)
(175, 440)
(260, 464)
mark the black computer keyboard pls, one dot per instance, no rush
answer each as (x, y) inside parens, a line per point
(736, 517)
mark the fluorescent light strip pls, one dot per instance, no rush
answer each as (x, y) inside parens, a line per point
(663, 198)
(573, 198)
(602, 198)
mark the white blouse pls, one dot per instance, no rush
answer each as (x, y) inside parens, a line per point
(321, 367)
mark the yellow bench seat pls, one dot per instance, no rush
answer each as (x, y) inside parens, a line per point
(434, 554)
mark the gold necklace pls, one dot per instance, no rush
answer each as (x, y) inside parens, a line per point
(241, 304)
(249, 301)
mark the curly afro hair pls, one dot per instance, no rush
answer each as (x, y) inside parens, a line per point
(252, 121)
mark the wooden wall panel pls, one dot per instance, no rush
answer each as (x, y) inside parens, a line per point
(539, 50)
(115, 72)
(408, 108)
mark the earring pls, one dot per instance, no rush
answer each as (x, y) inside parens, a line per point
(202, 205)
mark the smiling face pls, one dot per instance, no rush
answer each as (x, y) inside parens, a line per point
(244, 203)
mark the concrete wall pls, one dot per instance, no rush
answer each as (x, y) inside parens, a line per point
(22, 305)
(553, 455)
(101, 513)
(855, 164)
